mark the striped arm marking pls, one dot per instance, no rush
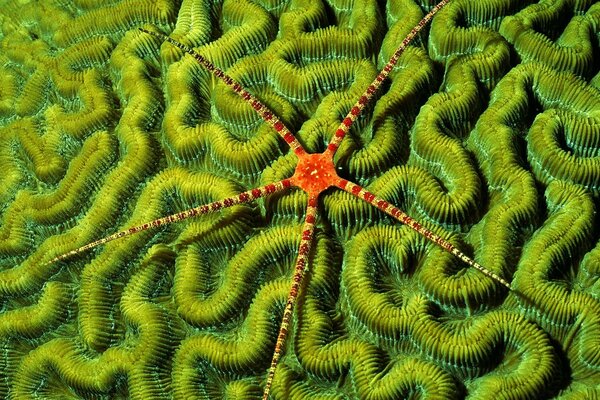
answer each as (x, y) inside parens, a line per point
(243, 197)
(301, 262)
(262, 110)
(401, 216)
(367, 96)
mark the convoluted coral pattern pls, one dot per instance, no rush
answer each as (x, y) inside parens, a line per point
(488, 132)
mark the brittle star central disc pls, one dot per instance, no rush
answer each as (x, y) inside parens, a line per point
(315, 173)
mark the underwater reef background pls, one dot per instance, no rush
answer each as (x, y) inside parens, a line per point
(488, 132)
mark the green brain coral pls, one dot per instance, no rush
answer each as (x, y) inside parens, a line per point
(488, 132)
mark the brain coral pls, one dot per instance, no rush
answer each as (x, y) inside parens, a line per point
(488, 132)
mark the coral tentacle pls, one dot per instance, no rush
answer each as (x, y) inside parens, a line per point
(214, 206)
(261, 109)
(301, 262)
(401, 216)
(367, 96)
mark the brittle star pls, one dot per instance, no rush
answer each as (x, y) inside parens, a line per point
(314, 173)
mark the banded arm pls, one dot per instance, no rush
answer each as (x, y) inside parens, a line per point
(262, 110)
(401, 216)
(367, 96)
(303, 253)
(243, 197)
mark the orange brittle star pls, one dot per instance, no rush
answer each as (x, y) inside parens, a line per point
(314, 173)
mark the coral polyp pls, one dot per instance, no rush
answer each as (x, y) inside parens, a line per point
(298, 153)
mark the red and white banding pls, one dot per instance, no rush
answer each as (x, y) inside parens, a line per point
(401, 216)
(301, 262)
(243, 197)
(262, 110)
(367, 96)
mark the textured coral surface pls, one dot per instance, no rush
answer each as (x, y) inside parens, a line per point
(488, 132)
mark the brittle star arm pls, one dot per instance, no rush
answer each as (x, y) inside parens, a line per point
(401, 216)
(262, 110)
(301, 262)
(214, 206)
(367, 96)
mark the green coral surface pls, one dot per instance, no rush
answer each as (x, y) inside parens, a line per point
(488, 132)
